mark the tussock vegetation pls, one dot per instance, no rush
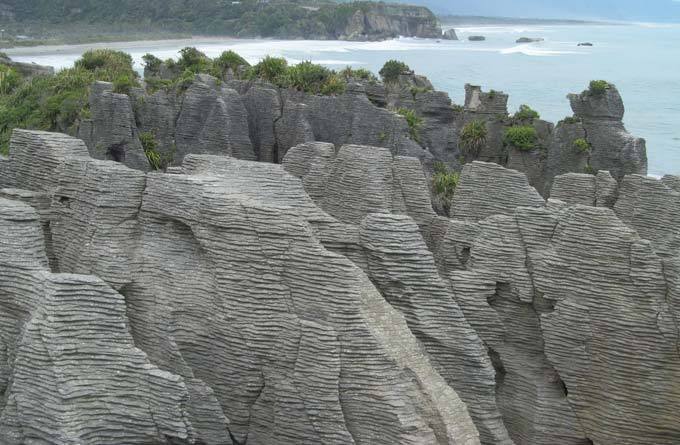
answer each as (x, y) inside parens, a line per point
(414, 122)
(444, 184)
(55, 103)
(472, 138)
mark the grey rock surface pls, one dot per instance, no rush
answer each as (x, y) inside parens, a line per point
(612, 147)
(212, 120)
(652, 209)
(450, 34)
(247, 245)
(34, 156)
(72, 366)
(323, 300)
(395, 249)
(487, 189)
(112, 132)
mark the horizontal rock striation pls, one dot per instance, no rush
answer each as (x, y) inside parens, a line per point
(228, 301)
(381, 21)
(256, 120)
(226, 287)
(72, 361)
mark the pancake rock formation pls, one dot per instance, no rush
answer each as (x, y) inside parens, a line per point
(284, 278)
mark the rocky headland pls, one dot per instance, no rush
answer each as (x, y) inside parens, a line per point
(283, 19)
(230, 258)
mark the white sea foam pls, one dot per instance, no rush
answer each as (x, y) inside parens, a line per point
(532, 50)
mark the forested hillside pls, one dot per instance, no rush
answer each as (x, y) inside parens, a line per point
(246, 18)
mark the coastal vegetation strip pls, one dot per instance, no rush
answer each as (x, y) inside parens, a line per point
(34, 21)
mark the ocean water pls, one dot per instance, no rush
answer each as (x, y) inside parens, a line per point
(643, 60)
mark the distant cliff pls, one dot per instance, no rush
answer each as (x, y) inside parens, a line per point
(291, 19)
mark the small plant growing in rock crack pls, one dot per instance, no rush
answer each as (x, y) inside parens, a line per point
(570, 120)
(473, 137)
(150, 146)
(414, 122)
(582, 145)
(123, 84)
(598, 87)
(522, 137)
(525, 112)
(415, 91)
(444, 184)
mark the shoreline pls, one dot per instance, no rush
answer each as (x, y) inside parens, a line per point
(27, 46)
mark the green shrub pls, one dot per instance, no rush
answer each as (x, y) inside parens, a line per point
(228, 60)
(334, 85)
(271, 69)
(9, 79)
(525, 112)
(106, 64)
(194, 60)
(582, 145)
(444, 184)
(152, 63)
(598, 87)
(392, 69)
(150, 146)
(522, 137)
(123, 84)
(473, 137)
(57, 102)
(571, 120)
(414, 122)
(359, 74)
(307, 76)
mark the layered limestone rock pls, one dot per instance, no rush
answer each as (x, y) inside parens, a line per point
(404, 270)
(380, 21)
(322, 300)
(556, 275)
(627, 372)
(71, 373)
(260, 296)
(34, 156)
(652, 209)
(600, 190)
(612, 147)
(4, 172)
(212, 120)
(487, 189)
(564, 156)
(244, 313)
(111, 133)
(256, 120)
(360, 180)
